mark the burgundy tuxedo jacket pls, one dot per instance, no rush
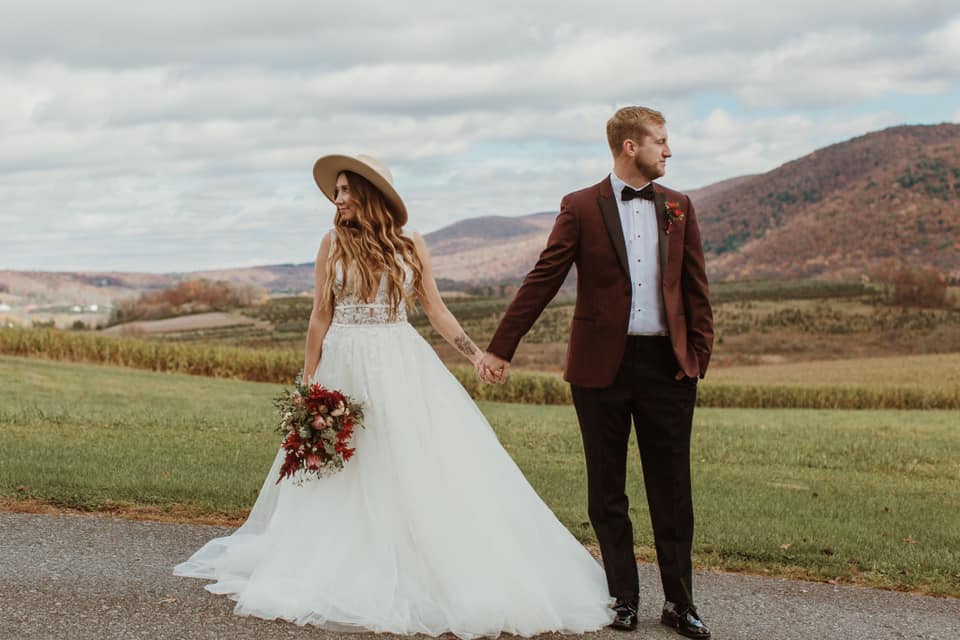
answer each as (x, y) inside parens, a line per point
(588, 233)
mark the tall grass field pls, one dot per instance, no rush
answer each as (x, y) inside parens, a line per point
(903, 382)
(863, 496)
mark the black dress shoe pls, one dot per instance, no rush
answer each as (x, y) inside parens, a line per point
(626, 616)
(685, 620)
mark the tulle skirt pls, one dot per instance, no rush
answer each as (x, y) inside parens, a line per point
(430, 528)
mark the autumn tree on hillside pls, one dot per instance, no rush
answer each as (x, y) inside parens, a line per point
(190, 296)
(914, 286)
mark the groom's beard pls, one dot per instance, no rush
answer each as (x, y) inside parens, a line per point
(651, 171)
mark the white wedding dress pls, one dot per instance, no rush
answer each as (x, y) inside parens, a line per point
(429, 528)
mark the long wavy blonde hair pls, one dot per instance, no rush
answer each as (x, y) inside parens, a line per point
(371, 246)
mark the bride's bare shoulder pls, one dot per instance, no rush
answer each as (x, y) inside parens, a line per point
(418, 242)
(326, 242)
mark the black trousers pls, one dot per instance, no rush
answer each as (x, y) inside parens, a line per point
(662, 412)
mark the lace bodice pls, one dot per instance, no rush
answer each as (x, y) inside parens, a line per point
(350, 308)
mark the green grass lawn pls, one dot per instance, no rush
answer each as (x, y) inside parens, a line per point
(864, 496)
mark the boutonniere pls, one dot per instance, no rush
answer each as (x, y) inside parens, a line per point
(673, 214)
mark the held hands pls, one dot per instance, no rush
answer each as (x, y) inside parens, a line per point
(492, 369)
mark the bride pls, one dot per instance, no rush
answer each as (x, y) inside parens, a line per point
(431, 527)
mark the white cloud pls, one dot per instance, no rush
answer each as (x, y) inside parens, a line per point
(149, 136)
(748, 145)
(945, 41)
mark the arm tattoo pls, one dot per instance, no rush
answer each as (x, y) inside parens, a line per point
(465, 345)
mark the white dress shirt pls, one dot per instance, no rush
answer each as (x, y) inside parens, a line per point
(638, 218)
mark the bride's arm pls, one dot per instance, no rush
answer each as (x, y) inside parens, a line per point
(440, 317)
(320, 317)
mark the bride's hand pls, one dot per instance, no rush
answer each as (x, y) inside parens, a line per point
(493, 369)
(478, 366)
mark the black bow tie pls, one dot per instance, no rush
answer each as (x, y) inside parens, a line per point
(629, 193)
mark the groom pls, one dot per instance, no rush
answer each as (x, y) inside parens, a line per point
(641, 336)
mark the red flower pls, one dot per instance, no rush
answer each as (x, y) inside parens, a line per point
(327, 418)
(674, 213)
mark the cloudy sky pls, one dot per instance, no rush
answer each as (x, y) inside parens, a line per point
(181, 135)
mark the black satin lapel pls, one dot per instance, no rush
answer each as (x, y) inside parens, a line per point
(663, 240)
(611, 218)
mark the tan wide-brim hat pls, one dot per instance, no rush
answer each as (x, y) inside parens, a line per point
(327, 168)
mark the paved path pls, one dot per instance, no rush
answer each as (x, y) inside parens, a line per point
(71, 577)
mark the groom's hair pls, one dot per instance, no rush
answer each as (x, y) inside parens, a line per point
(631, 123)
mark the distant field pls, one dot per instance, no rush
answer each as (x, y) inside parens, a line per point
(821, 344)
(859, 496)
(755, 322)
(938, 371)
(808, 385)
(197, 324)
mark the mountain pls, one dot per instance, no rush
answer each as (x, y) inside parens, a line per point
(23, 288)
(837, 212)
(490, 249)
(891, 195)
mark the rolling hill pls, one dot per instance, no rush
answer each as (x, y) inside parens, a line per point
(891, 195)
(887, 196)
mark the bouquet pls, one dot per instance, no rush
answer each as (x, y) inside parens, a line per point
(317, 424)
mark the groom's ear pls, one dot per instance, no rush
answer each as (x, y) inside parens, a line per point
(631, 146)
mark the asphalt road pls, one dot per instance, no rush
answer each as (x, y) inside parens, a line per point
(70, 577)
